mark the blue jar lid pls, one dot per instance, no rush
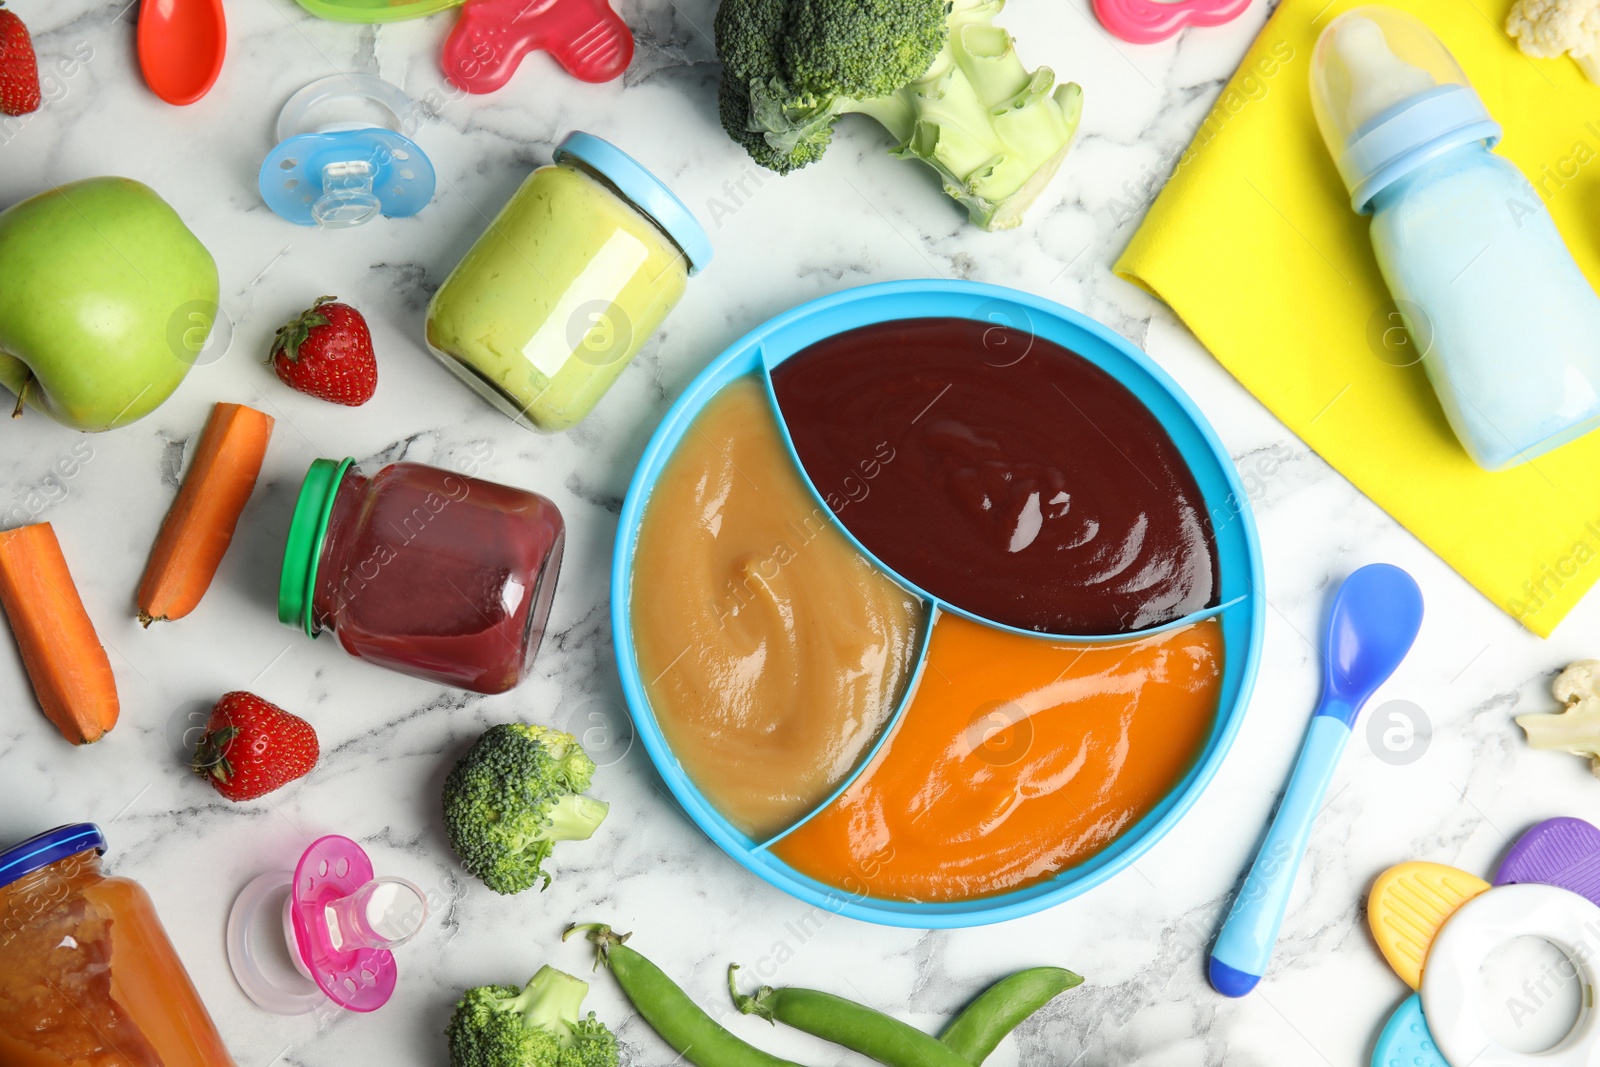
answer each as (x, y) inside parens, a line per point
(644, 189)
(41, 850)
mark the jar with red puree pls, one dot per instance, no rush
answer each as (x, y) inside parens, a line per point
(87, 975)
(423, 570)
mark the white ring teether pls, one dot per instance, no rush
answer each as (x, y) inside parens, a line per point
(1483, 924)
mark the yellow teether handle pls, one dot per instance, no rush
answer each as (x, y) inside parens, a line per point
(1408, 904)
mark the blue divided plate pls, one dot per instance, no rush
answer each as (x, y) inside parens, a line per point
(1241, 607)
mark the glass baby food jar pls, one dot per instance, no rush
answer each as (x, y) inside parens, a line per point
(567, 284)
(422, 570)
(87, 975)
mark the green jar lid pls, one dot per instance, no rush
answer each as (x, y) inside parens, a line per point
(307, 530)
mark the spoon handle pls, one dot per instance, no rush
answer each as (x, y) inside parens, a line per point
(1243, 948)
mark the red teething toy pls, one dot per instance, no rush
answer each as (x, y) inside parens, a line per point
(586, 37)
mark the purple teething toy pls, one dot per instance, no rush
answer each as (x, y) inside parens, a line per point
(1562, 852)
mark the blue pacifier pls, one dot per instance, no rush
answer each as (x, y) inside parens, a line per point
(342, 172)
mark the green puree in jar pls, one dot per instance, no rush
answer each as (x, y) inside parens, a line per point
(556, 298)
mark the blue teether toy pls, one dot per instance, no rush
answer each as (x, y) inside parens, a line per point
(1405, 1041)
(343, 173)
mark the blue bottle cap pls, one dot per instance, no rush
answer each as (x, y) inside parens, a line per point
(41, 850)
(644, 189)
(1388, 97)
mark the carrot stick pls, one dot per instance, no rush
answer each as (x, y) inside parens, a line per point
(197, 531)
(69, 670)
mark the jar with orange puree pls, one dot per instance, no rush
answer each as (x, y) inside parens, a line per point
(87, 975)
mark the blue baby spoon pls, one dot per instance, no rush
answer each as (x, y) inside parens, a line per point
(1376, 615)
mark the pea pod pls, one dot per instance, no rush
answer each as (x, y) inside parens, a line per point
(999, 1009)
(844, 1022)
(681, 1022)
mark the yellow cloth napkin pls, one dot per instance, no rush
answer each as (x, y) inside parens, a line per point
(1254, 245)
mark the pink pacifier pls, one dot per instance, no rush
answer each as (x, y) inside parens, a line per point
(586, 37)
(329, 938)
(1149, 21)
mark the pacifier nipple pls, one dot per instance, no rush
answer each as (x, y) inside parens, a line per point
(347, 196)
(383, 914)
(1379, 79)
(348, 170)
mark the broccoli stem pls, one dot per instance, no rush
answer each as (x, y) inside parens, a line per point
(554, 1000)
(994, 131)
(574, 817)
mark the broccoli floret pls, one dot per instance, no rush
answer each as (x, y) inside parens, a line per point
(515, 793)
(539, 1026)
(938, 74)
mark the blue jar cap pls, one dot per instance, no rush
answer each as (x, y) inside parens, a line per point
(41, 850)
(644, 189)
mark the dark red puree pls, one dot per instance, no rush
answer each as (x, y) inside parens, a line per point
(1003, 473)
(435, 574)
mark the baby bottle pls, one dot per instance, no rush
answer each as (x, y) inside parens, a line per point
(1507, 327)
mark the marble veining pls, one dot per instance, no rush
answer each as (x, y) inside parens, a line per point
(388, 741)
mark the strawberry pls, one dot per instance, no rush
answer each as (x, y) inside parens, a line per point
(327, 353)
(19, 67)
(251, 747)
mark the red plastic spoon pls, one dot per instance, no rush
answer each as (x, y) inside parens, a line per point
(181, 45)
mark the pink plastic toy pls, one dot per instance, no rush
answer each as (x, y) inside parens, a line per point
(339, 924)
(1149, 21)
(586, 37)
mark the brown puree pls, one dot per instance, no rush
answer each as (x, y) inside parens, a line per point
(772, 651)
(1026, 485)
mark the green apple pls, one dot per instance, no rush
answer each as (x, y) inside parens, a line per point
(106, 300)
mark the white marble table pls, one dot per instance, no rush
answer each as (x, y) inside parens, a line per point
(388, 741)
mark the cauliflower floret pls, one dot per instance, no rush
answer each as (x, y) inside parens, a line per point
(1546, 29)
(1576, 728)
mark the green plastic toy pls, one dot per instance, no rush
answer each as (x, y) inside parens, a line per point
(377, 10)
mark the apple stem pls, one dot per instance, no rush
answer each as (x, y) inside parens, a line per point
(22, 396)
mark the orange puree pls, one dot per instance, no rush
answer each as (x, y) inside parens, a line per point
(89, 979)
(772, 652)
(1017, 757)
